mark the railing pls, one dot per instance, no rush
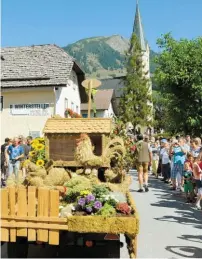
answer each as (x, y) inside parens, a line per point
(31, 213)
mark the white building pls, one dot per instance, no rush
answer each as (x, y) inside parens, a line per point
(105, 105)
(37, 82)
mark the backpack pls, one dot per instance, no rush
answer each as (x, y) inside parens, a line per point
(137, 150)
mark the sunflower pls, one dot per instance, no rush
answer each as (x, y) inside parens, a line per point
(32, 153)
(34, 143)
(40, 162)
(40, 139)
(39, 147)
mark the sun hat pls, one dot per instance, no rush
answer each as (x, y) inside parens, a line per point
(164, 140)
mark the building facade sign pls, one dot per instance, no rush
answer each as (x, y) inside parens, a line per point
(31, 109)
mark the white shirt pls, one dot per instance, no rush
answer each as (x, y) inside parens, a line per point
(165, 156)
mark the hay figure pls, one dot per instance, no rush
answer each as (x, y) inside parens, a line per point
(115, 175)
(31, 167)
(56, 177)
(85, 156)
(40, 173)
(84, 152)
(36, 181)
(48, 176)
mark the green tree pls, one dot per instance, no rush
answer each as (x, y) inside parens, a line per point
(136, 96)
(161, 104)
(179, 76)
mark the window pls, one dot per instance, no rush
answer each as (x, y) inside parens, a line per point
(66, 103)
(74, 81)
(34, 134)
(72, 106)
(1, 105)
(77, 109)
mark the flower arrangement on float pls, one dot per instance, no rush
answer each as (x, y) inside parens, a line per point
(37, 153)
(98, 200)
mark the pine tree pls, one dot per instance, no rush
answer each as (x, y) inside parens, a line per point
(134, 103)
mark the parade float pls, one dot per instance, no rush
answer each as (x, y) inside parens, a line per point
(76, 192)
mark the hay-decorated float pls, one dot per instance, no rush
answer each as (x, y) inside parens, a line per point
(76, 192)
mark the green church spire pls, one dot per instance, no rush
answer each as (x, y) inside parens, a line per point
(138, 28)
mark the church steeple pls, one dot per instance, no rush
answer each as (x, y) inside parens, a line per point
(138, 29)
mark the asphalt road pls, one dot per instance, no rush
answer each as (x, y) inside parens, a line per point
(169, 228)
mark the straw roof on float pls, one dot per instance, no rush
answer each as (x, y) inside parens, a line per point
(78, 125)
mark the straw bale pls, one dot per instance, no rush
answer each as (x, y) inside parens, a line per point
(56, 177)
(40, 173)
(36, 181)
(100, 224)
(32, 167)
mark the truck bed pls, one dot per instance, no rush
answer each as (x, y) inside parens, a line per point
(34, 213)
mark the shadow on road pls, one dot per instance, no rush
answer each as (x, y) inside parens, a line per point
(185, 251)
(180, 213)
(197, 239)
(187, 214)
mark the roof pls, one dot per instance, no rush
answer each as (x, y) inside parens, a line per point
(116, 83)
(103, 98)
(35, 65)
(138, 29)
(80, 125)
(38, 66)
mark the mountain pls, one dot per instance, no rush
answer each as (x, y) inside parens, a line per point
(102, 57)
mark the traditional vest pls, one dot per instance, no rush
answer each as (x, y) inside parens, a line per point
(143, 154)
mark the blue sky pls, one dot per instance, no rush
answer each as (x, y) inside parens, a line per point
(30, 22)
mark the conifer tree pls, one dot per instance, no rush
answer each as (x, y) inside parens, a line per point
(135, 102)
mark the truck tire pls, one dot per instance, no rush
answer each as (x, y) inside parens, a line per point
(19, 249)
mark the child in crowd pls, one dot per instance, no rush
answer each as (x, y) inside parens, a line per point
(197, 171)
(188, 184)
(190, 160)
